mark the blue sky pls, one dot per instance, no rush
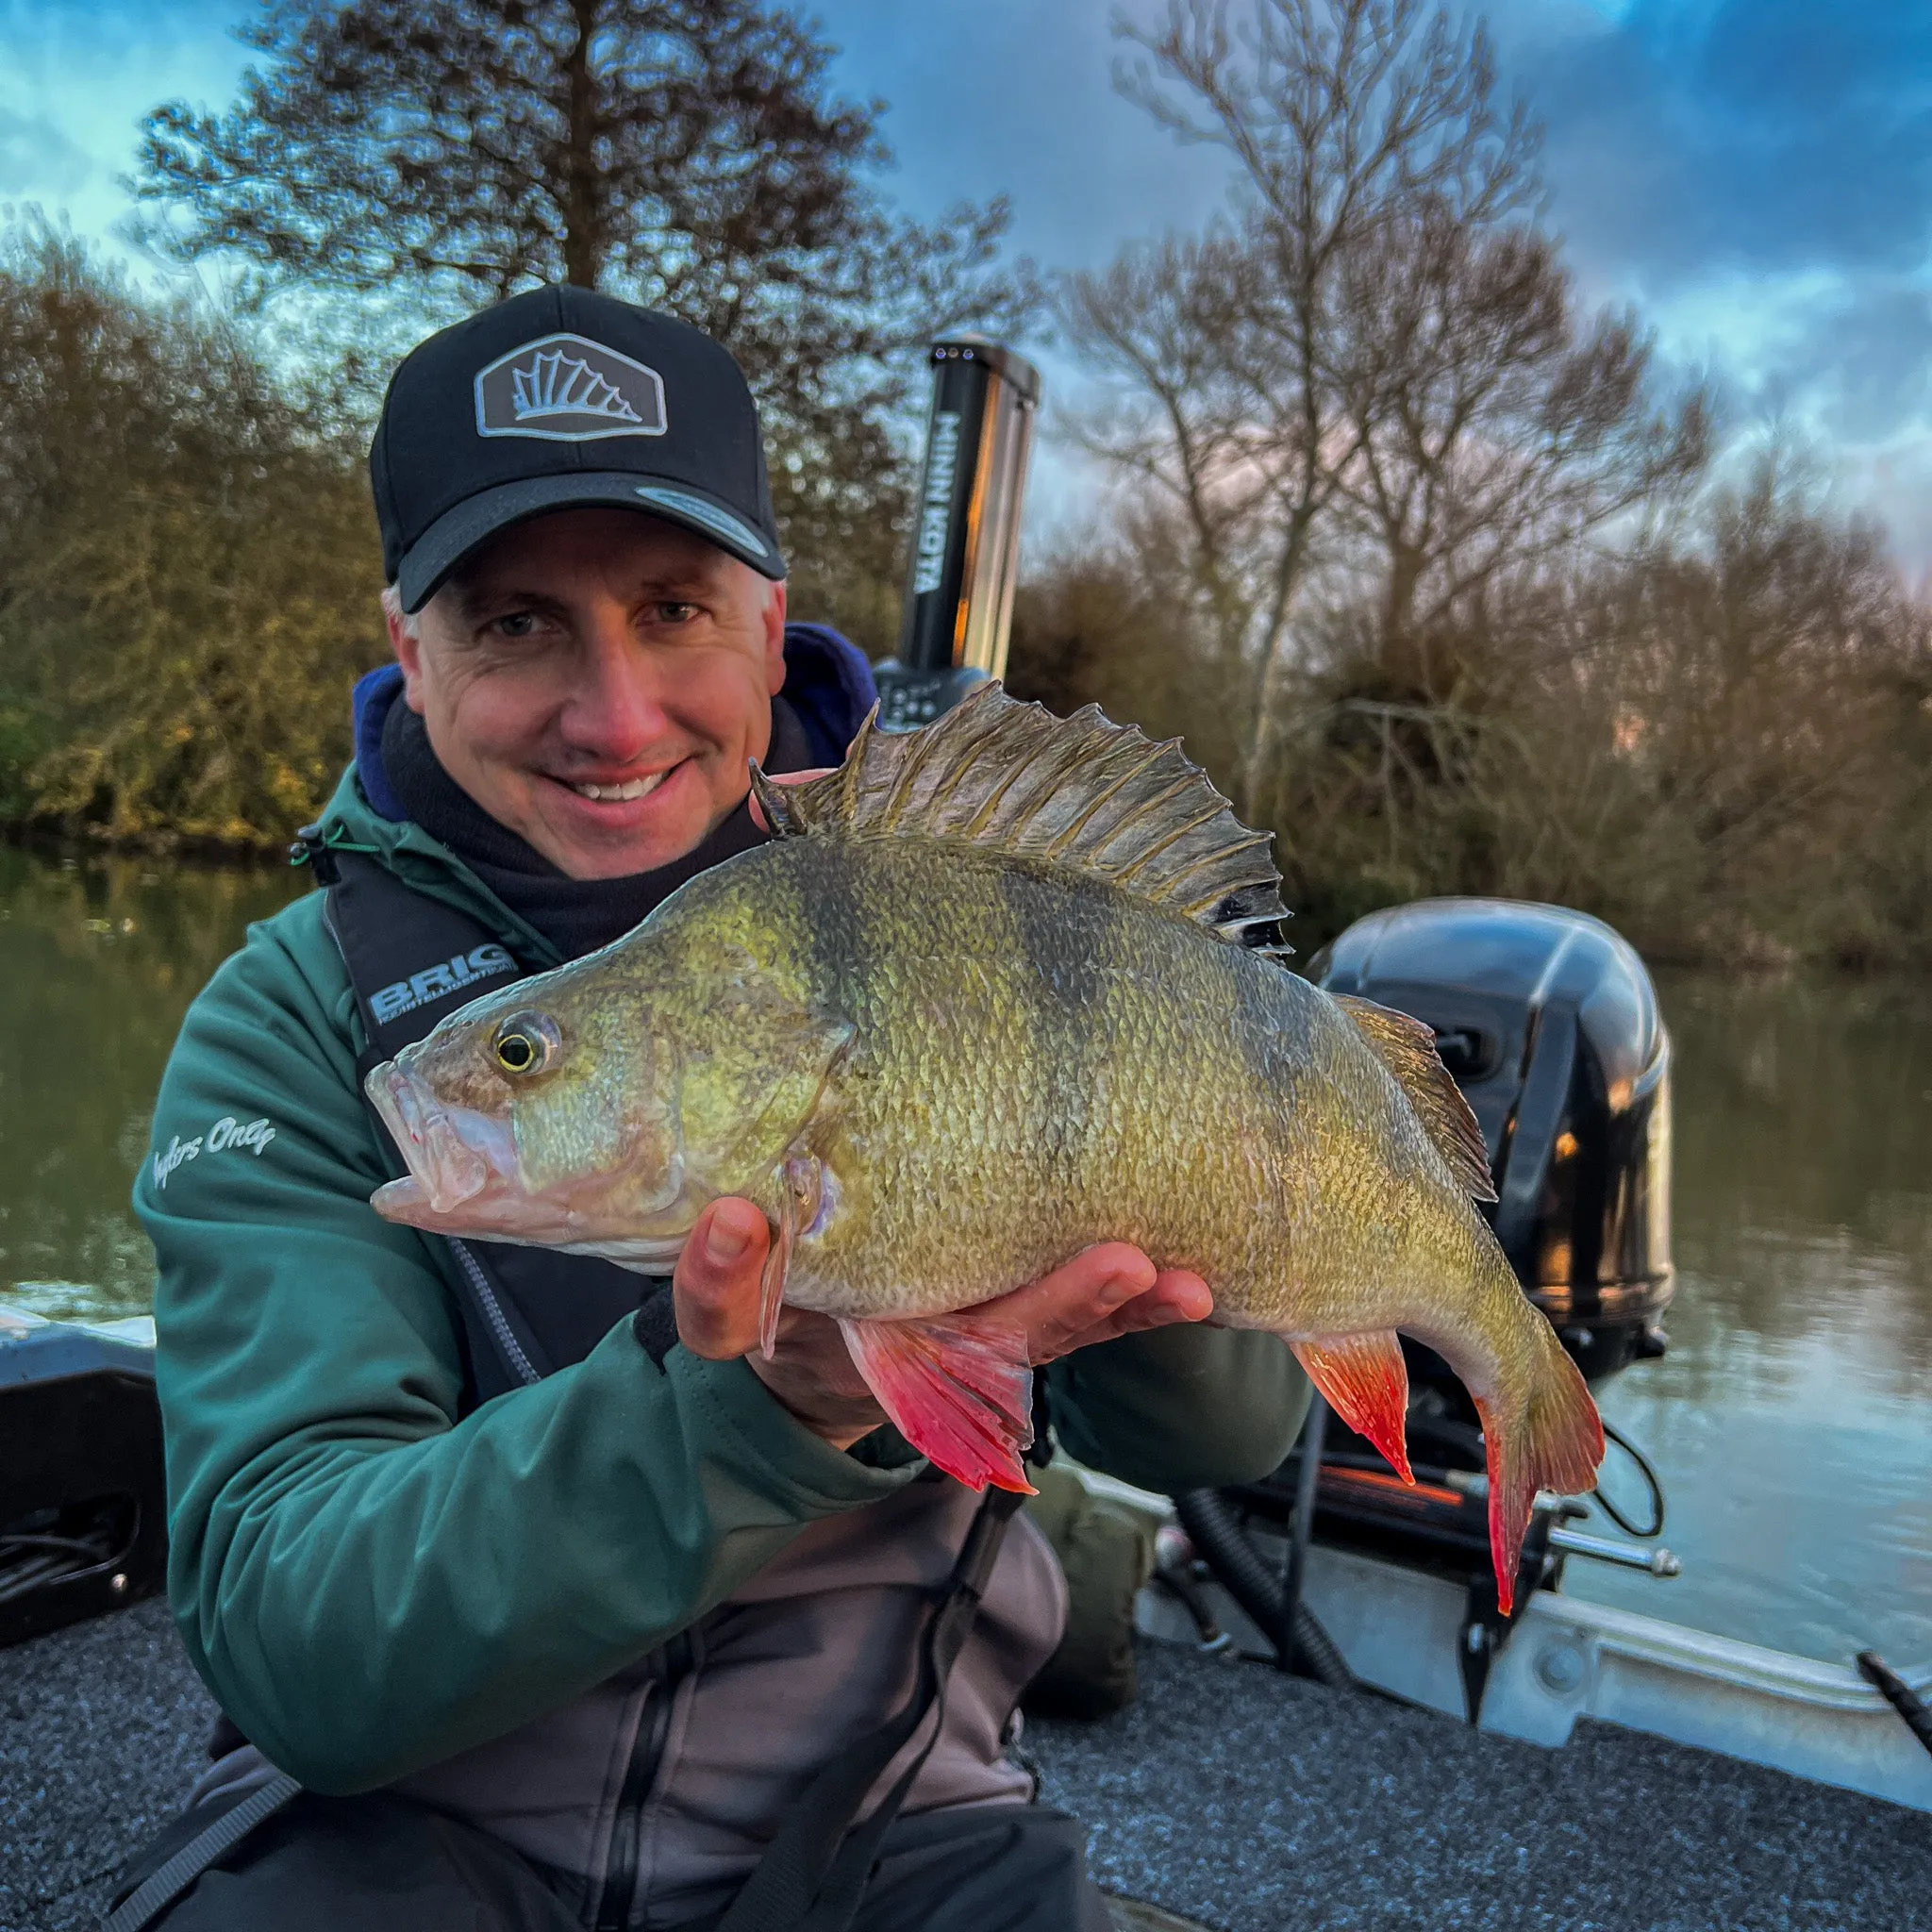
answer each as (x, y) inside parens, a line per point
(1755, 175)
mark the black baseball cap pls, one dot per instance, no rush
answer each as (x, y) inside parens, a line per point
(557, 398)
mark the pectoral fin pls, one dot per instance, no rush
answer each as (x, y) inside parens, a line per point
(1365, 1381)
(959, 1391)
(803, 1183)
(771, 1285)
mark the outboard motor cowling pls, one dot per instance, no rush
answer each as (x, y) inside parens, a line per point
(1549, 1022)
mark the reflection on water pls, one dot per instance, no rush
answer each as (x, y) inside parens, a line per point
(1791, 1420)
(98, 959)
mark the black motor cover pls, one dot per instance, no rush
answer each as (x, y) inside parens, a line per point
(1549, 1021)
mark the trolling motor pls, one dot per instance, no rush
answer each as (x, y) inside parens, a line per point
(958, 606)
(1548, 1021)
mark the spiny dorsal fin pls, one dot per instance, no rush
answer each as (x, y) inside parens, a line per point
(1407, 1047)
(1080, 793)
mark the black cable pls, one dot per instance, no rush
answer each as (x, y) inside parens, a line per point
(1459, 1435)
(1651, 1482)
(1897, 1694)
(1314, 1431)
(95, 1547)
(1439, 1428)
(1214, 1530)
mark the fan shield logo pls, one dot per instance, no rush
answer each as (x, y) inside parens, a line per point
(568, 389)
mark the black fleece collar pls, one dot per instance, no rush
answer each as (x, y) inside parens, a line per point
(576, 916)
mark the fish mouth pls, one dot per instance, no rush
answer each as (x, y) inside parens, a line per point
(454, 1153)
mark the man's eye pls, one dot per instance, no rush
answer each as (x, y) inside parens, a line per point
(518, 623)
(677, 613)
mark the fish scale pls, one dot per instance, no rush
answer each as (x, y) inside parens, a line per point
(985, 1002)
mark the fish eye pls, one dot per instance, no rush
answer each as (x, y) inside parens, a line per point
(526, 1044)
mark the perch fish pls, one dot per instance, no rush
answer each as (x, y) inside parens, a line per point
(999, 989)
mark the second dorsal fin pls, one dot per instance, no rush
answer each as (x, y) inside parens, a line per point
(1082, 793)
(1407, 1047)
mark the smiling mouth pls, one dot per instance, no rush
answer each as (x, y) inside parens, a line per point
(621, 794)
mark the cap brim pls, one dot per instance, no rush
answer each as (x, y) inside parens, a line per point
(452, 537)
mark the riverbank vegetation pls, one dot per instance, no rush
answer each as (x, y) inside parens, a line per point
(1438, 572)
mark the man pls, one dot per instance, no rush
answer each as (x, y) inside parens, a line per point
(553, 1594)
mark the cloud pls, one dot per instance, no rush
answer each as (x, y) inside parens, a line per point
(75, 78)
(1017, 97)
(1757, 177)
(38, 162)
(1768, 134)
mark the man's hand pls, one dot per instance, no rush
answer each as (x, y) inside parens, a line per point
(1104, 1292)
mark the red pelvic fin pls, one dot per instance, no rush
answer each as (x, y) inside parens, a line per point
(960, 1393)
(1556, 1443)
(1365, 1381)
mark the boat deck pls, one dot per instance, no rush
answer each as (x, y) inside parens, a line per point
(1242, 1799)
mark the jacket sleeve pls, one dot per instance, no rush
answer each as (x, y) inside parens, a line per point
(1182, 1407)
(367, 1583)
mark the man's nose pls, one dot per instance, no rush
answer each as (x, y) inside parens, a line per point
(616, 707)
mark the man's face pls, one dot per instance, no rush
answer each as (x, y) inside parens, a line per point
(597, 680)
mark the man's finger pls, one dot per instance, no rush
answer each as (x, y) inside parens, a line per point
(1176, 1296)
(715, 1284)
(1059, 1311)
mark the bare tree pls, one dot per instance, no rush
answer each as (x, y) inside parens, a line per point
(1492, 425)
(1373, 358)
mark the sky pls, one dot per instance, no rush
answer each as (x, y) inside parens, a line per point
(1754, 175)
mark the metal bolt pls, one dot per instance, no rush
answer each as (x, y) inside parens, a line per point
(1560, 1667)
(118, 1582)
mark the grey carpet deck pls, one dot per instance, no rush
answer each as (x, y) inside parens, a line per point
(1248, 1801)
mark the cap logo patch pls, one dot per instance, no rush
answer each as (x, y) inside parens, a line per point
(568, 389)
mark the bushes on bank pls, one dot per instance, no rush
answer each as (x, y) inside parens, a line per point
(188, 567)
(1719, 737)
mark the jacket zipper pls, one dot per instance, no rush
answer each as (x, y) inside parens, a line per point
(519, 1363)
(619, 1893)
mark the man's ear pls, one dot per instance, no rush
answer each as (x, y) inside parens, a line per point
(405, 640)
(774, 638)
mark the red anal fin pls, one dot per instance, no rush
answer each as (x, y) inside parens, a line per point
(1365, 1381)
(960, 1393)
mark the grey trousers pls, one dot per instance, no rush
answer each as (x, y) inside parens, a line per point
(379, 1864)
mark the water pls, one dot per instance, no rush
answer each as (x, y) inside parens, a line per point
(1791, 1421)
(98, 962)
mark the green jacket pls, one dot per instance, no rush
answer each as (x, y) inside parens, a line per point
(369, 1585)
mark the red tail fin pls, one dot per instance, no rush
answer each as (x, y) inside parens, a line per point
(1554, 1442)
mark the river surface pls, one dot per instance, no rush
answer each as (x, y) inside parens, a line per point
(1791, 1420)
